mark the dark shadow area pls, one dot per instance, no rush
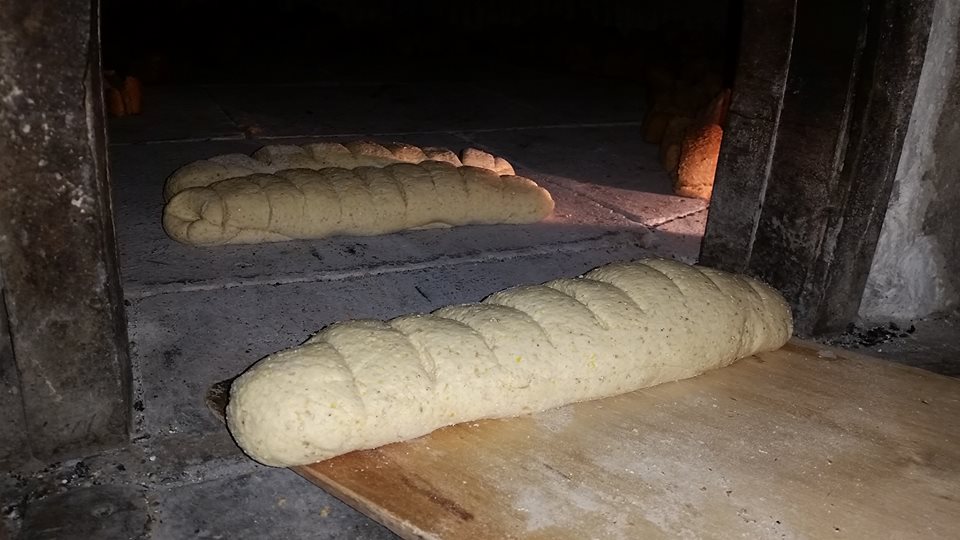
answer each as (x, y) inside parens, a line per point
(297, 40)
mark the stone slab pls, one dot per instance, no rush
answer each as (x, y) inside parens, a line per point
(185, 342)
(90, 512)
(681, 238)
(611, 166)
(266, 504)
(152, 262)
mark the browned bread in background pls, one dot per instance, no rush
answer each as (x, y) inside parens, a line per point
(715, 112)
(672, 139)
(698, 161)
(122, 95)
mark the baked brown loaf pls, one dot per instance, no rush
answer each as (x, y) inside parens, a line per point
(363, 201)
(350, 155)
(621, 327)
(697, 161)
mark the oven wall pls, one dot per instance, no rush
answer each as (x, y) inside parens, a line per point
(916, 268)
(61, 282)
(12, 439)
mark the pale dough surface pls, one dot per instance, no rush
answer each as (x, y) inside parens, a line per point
(303, 203)
(273, 158)
(621, 327)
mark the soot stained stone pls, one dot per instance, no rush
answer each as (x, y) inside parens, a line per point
(60, 277)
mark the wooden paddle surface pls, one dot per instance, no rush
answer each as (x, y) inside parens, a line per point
(804, 442)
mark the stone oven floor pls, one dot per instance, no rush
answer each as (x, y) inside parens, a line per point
(199, 316)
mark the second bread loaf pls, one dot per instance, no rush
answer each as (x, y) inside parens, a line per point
(621, 327)
(308, 204)
(350, 155)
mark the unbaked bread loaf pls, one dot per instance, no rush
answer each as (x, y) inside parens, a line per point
(349, 155)
(303, 203)
(621, 327)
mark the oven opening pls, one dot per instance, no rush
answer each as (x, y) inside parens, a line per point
(617, 110)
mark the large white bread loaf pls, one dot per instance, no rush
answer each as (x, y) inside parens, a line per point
(308, 204)
(621, 327)
(316, 156)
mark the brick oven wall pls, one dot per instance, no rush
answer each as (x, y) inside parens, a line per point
(916, 268)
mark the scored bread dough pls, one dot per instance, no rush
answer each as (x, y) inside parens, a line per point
(308, 204)
(272, 158)
(621, 327)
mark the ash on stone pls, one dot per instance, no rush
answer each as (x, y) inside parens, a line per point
(81, 470)
(856, 337)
